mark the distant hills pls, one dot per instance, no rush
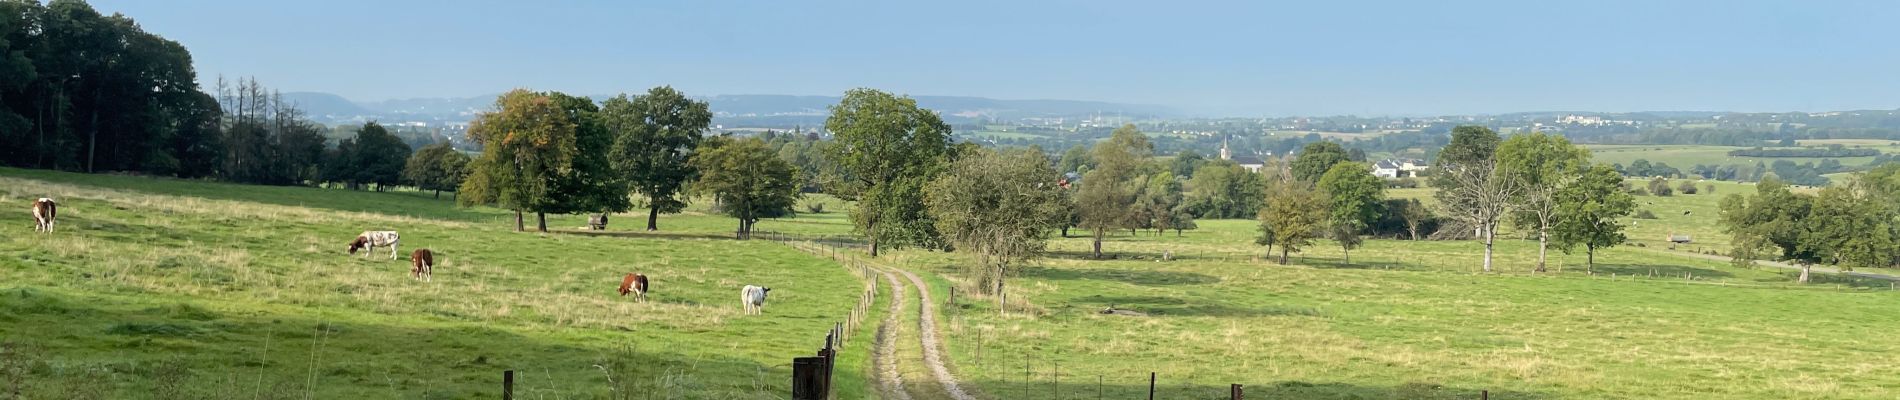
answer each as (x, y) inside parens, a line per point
(729, 110)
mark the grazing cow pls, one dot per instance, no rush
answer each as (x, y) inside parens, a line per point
(422, 265)
(44, 210)
(373, 239)
(754, 298)
(635, 285)
(597, 222)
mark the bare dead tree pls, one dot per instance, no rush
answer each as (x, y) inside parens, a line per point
(1479, 198)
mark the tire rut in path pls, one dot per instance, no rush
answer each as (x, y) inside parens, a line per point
(927, 336)
(892, 381)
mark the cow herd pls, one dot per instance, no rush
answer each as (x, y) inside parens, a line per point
(422, 268)
(422, 261)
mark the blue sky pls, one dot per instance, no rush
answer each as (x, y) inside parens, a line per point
(1242, 58)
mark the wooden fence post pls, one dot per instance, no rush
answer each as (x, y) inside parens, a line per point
(1484, 395)
(1151, 386)
(508, 385)
(1234, 393)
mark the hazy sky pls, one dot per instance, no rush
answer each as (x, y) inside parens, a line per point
(1226, 58)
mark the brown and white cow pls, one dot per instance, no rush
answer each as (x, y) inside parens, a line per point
(373, 239)
(422, 265)
(44, 210)
(635, 284)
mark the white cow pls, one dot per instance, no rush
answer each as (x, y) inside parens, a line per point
(754, 298)
(374, 239)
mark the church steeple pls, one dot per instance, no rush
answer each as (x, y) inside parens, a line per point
(1224, 153)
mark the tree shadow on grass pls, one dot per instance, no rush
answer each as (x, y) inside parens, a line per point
(1175, 307)
(644, 234)
(1166, 387)
(1661, 271)
(1130, 276)
(1339, 263)
(1844, 279)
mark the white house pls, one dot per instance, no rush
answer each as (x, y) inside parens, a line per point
(1399, 168)
(1251, 163)
(1386, 169)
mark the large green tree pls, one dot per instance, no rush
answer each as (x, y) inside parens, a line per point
(1185, 163)
(654, 136)
(528, 143)
(1294, 215)
(1000, 207)
(1354, 201)
(1317, 158)
(587, 184)
(890, 148)
(748, 180)
(1076, 159)
(436, 168)
(1774, 219)
(1590, 212)
(1106, 199)
(1542, 164)
(373, 156)
(1223, 189)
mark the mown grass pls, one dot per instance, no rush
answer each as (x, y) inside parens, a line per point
(159, 288)
(1412, 320)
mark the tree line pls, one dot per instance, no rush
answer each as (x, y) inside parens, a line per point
(1850, 225)
(1538, 182)
(81, 91)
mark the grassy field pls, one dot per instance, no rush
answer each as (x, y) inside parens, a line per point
(160, 288)
(156, 288)
(1684, 157)
(1412, 320)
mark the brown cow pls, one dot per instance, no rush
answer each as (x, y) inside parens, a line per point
(44, 210)
(635, 284)
(422, 265)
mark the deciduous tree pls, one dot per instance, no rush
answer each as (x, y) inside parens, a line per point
(1316, 159)
(1542, 164)
(890, 148)
(748, 180)
(1000, 207)
(527, 144)
(1471, 190)
(654, 136)
(1293, 216)
(1107, 195)
(1590, 211)
(436, 167)
(587, 184)
(1354, 200)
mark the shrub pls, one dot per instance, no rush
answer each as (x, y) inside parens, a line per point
(1645, 214)
(1660, 187)
(1687, 187)
(1708, 189)
(815, 207)
(1639, 192)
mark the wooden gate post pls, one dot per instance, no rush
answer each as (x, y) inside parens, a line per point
(808, 378)
(508, 385)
